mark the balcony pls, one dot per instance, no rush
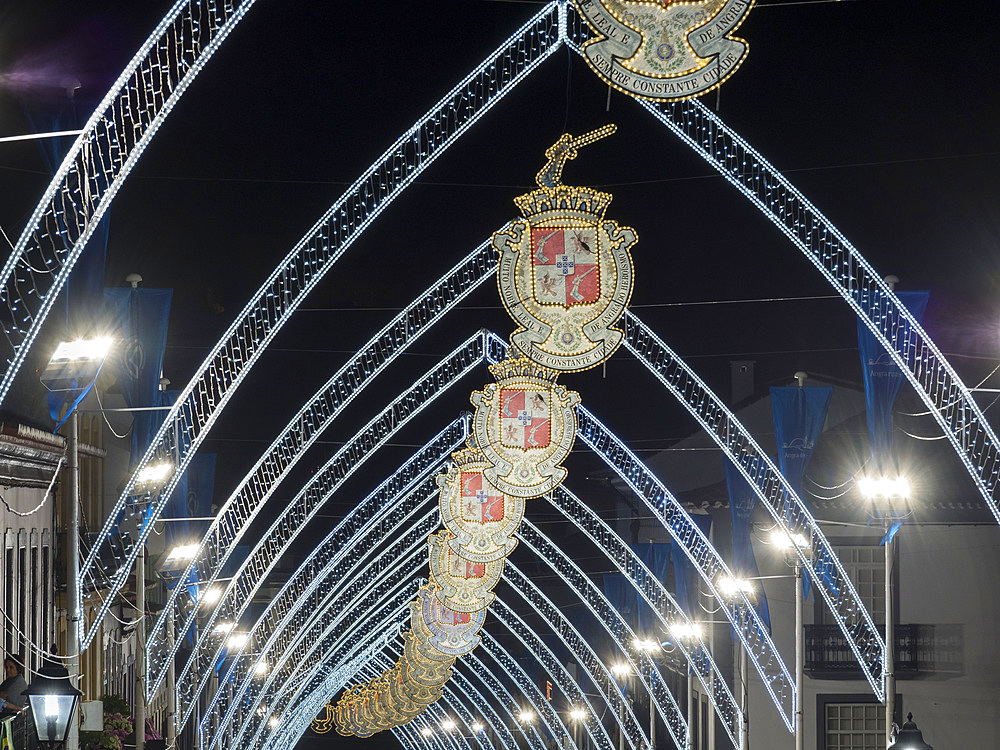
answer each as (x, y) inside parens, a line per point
(921, 652)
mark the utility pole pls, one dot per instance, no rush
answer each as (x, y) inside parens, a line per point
(140, 651)
(73, 570)
(800, 653)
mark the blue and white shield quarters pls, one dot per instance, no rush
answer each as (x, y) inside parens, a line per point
(481, 518)
(524, 464)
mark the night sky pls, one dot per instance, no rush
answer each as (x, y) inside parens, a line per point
(882, 114)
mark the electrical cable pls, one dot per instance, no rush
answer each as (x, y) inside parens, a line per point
(45, 497)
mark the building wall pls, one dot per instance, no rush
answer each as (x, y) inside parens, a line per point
(946, 578)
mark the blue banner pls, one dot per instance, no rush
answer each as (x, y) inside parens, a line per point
(799, 415)
(881, 375)
(139, 320)
(684, 571)
(621, 594)
(656, 557)
(742, 503)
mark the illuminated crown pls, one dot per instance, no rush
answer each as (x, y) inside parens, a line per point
(522, 367)
(561, 203)
(469, 455)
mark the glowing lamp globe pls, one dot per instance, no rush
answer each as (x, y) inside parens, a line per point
(52, 701)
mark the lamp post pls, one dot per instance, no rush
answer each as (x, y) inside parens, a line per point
(621, 673)
(730, 588)
(688, 633)
(792, 544)
(909, 737)
(73, 363)
(53, 701)
(578, 715)
(883, 491)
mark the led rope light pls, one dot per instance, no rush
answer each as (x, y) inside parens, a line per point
(658, 599)
(199, 404)
(98, 162)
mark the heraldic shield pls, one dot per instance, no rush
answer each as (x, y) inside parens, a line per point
(565, 273)
(437, 628)
(481, 518)
(463, 586)
(524, 446)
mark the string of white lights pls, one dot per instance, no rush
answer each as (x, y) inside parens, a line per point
(301, 432)
(98, 162)
(200, 402)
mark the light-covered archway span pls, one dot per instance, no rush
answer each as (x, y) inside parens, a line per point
(200, 402)
(98, 162)
(385, 514)
(658, 599)
(759, 645)
(294, 517)
(840, 264)
(242, 506)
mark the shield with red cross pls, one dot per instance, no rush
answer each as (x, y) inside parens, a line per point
(525, 418)
(565, 267)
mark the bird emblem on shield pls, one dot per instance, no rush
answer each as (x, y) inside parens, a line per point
(565, 272)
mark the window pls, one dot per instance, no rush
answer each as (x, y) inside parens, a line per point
(854, 726)
(865, 566)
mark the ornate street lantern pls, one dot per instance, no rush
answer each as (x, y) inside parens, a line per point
(909, 737)
(52, 700)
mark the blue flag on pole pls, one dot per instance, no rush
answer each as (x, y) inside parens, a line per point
(742, 503)
(139, 318)
(656, 557)
(881, 375)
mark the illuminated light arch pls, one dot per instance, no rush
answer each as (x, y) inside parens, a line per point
(294, 517)
(939, 386)
(200, 402)
(759, 645)
(301, 432)
(99, 161)
(574, 642)
(659, 601)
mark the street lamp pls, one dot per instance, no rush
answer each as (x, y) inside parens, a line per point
(730, 588)
(53, 701)
(882, 492)
(909, 737)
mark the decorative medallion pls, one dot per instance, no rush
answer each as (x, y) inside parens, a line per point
(324, 720)
(565, 273)
(480, 517)
(463, 586)
(525, 425)
(436, 627)
(667, 50)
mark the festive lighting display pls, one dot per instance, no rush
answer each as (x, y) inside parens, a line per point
(963, 423)
(840, 263)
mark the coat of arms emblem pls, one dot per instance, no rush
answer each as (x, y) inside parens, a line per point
(667, 50)
(463, 586)
(565, 272)
(524, 446)
(481, 518)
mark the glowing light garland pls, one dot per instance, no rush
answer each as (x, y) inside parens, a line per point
(941, 389)
(660, 602)
(98, 162)
(201, 401)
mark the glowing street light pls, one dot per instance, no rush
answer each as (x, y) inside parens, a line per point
(685, 631)
(447, 725)
(645, 645)
(211, 596)
(730, 587)
(260, 668)
(155, 473)
(578, 714)
(884, 488)
(426, 731)
(526, 716)
(784, 540)
(477, 727)
(237, 640)
(182, 553)
(621, 670)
